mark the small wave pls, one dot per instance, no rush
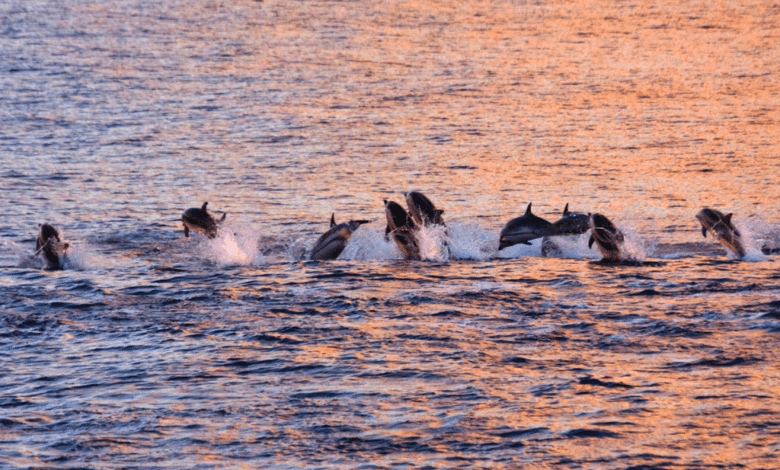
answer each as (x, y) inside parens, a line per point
(591, 433)
(603, 383)
(713, 362)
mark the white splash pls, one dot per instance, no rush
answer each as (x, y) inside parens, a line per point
(634, 247)
(753, 233)
(369, 243)
(470, 241)
(434, 241)
(236, 244)
(572, 247)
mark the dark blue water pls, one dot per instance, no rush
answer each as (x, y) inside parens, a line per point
(152, 350)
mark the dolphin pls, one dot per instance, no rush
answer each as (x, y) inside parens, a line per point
(572, 223)
(397, 217)
(401, 227)
(422, 210)
(201, 221)
(51, 246)
(523, 229)
(722, 228)
(332, 243)
(608, 237)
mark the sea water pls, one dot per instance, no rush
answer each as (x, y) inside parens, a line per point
(152, 350)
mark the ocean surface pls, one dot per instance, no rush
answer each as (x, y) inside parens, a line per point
(154, 350)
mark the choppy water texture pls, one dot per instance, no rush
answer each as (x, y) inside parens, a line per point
(152, 350)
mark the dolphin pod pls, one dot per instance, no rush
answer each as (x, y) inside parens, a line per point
(404, 225)
(529, 227)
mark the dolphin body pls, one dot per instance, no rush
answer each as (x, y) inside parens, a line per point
(572, 223)
(401, 227)
(422, 210)
(525, 228)
(607, 236)
(201, 221)
(332, 243)
(722, 228)
(51, 246)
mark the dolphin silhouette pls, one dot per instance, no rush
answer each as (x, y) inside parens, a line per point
(523, 229)
(332, 243)
(401, 227)
(722, 228)
(422, 210)
(51, 246)
(199, 220)
(572, 223)
(607, 237)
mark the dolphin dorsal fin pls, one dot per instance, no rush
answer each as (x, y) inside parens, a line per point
(203, 207)
(333, 219)
(727, 218)
(528, 209)
(566, 209)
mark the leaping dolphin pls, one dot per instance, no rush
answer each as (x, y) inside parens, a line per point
(51, 246)
(523, 229)
(201, 221)
(422, 210)
(332, 243)
(400, 226)
(722, 228)
(572, 223)
(607, 236)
